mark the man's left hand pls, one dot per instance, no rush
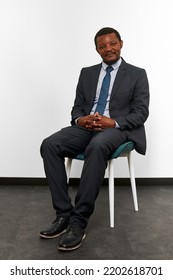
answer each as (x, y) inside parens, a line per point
(100, 122)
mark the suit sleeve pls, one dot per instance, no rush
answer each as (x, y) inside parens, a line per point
(136, 113)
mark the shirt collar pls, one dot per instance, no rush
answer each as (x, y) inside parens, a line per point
(115, 65)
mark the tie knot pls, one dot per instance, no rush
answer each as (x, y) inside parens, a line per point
(109, 69)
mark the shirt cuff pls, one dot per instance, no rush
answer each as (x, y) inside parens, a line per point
(117, 125)
(76, 121)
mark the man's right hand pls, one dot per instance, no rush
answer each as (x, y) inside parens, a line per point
(90, 122)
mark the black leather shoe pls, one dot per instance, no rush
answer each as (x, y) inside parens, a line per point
(57, 228)
(72, 238)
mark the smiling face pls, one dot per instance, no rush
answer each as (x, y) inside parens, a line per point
(109, 47)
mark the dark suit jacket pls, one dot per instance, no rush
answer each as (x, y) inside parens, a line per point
(128, 103)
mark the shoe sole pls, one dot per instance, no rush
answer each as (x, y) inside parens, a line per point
(52, 236)
(72, 248)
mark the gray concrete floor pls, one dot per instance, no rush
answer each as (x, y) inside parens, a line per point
(147, 234)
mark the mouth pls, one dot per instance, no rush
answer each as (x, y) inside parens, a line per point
(109, 54)
(110, 58)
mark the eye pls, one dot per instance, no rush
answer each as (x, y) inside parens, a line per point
(101, 47)
(113, 43)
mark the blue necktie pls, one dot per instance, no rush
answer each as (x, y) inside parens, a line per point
(104, 91)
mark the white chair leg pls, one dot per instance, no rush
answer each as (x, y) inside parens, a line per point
(68, 167)
(111, 191)
(132, 180)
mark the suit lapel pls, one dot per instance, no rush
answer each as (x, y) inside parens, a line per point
(119, 77)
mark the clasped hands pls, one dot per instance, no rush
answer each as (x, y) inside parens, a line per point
(96, 122)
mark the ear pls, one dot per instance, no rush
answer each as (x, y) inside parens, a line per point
(121, 44)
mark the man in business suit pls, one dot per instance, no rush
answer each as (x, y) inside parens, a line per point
(96, 134)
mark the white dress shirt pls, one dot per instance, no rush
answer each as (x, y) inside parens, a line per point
(100, 80)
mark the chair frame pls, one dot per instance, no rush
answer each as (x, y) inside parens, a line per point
(110, 167)
(111, 184)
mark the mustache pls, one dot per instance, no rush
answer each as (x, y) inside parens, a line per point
(110, 52)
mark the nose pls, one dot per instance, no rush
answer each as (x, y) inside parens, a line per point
(108, 47)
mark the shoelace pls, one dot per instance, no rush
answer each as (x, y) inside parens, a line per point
(75, 228)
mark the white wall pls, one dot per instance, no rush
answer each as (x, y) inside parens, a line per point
(44, 44)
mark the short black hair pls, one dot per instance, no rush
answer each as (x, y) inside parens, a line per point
(104, 31)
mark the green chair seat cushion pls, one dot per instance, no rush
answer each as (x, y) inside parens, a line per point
(122, 149)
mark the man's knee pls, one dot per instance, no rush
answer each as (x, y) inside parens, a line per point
(43, 146)
(47, 145)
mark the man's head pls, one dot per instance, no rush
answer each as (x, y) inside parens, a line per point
(108, 44)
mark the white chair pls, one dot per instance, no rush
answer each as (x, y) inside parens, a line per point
(124, 150)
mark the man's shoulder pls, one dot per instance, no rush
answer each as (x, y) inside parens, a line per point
(92, 67)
